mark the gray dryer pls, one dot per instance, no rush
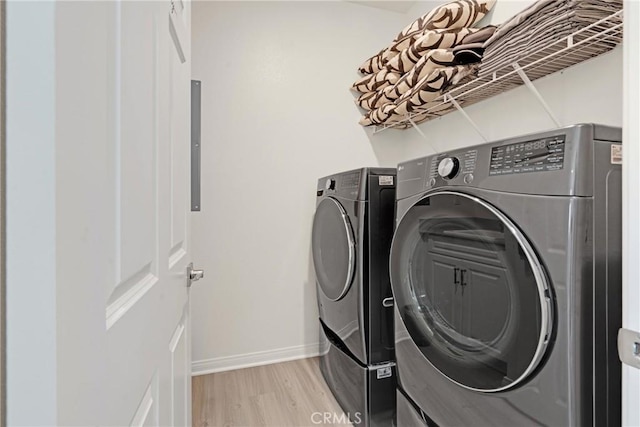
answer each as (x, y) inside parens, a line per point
(506, 272)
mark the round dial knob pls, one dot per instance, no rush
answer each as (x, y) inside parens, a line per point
(330, 184)
(448, 167)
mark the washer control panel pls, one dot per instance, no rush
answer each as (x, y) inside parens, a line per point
(540, 155)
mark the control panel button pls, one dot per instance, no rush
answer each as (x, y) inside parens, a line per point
(468, 178)
(431, 182)
(330, 184)
(448, 167)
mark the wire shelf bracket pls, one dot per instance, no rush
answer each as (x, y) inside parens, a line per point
(415, 126)
(532, 88)
(453, 101)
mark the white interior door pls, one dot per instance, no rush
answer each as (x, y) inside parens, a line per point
(112, 107)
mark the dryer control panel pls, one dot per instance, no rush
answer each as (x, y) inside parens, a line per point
(539, 155)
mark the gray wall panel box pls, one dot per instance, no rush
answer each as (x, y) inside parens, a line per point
(195, 144)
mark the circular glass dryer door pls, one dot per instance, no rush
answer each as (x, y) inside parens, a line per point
(334, 249)
(471, 291)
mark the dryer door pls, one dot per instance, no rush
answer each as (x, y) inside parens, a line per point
(334, 249)
(471, 291)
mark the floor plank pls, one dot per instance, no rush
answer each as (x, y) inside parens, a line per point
(283, 394)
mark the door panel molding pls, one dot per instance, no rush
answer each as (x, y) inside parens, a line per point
(179, 158)
(136, 116)
(117, 308)
(146, 414)
(176, 255)
(178, 30)
(181, 372)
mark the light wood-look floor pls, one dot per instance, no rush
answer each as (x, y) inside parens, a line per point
(283, 394)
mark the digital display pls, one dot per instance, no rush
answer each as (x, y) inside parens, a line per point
(540, 155)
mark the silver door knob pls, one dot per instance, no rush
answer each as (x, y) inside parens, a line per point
(193, 275)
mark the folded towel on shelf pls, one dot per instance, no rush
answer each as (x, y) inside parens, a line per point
(425, 91)
(392, 72)
(468, 53)
(431, 39)
(549, 23)
(452, 15)
(436, 58)
(480, 36)
(538, 26)
(376, 82)
(420, 62)
(455, 14)
(431, 87)
(471, 48)
(394, 79)
(521, 17)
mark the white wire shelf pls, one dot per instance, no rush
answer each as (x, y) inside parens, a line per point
(585, 43)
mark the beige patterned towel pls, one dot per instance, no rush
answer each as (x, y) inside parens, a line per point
(452, 15)
(376, 82)
(425, 91)
(435, 58)
(407, 59)
(429, 40)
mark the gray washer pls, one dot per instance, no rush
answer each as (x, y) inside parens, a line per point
(351, 238)
(506, 274)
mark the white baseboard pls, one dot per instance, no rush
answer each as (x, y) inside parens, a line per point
(228, 363)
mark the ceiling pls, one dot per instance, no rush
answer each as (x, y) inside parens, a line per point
(400, 6)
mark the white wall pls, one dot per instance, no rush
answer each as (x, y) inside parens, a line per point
(277, 115)
(31, 241)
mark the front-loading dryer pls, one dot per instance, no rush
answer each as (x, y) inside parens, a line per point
(506, 273)
(351, 238)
